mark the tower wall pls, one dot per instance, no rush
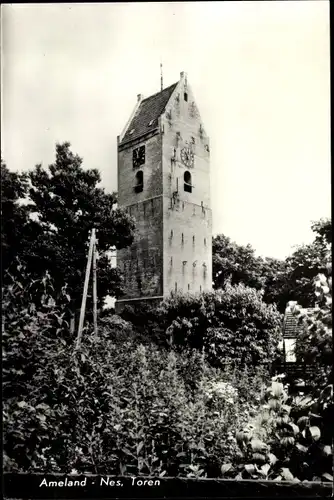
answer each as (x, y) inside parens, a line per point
(187, 227)
(142, 263)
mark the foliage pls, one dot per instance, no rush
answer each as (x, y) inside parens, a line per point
(281, 280)
(14, 215)
(235, 264)
(233, 324)
(117, 406)
(306, 262)
(314, 344)
(65, 202)
(323, 230)
(290, 439)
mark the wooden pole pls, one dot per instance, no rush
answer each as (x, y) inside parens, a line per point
(94, 289)
(84, 295)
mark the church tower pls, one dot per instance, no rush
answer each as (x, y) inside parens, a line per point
(164, 183)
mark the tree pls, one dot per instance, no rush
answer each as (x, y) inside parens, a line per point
(65, 203)
(235, 263)
(306, 262)
(281, 280)
(14, 215)
(276, 286)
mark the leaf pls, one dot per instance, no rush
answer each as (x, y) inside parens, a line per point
(286, 409)
(302, 422)
(163, 473)
(265, 469)
(286, 474)
(22, 404)
(225, 468)
(127, 452)
(250, 468)
(272, 458)
(258, 445)
(315, 433)
(259, 457)
(294, 428)
(327, 476)
(277, 389)
(327, 450)
(315, 417)
(301, 448)
(139, 447)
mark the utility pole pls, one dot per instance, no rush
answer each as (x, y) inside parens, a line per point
(94, 288)
(85, 289)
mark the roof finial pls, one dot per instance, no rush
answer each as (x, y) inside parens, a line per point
(161, 78)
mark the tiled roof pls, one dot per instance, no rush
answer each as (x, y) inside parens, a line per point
(291, 325)
(146, 117)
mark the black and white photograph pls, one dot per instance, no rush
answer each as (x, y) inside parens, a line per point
(166, 243)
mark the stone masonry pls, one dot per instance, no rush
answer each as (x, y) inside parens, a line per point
(172, 249)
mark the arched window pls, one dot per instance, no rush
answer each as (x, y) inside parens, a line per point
(139, 181)
(187, 182)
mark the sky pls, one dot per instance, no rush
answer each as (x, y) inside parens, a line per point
(260, 72)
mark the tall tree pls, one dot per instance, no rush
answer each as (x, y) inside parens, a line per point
(14, 215)
(235, 263)
(65, 203)
(281, 280)
(307, 261)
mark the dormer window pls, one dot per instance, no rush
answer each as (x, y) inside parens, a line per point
(139, 181)
(187, 182)
(150, 123)
(185, 96)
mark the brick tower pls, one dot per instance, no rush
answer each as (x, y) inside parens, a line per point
(164, 183)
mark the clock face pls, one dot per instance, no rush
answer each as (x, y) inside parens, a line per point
(138, 156)
(187, 157)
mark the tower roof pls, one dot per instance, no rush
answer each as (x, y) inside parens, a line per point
(148, 113)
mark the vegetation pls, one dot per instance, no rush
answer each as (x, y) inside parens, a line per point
(231, 325)
(50, 231)
(280, 280)
(183, 389)
(68, 410)
(291, 437)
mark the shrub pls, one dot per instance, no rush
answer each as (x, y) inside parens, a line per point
(290, 439)
(117, 409)
(117, 405)
(233, 325)
(314, 344)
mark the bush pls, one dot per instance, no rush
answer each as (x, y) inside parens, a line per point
(117, 405)
(290, 439)
(232, 325)
(314, 344)
(118, 409)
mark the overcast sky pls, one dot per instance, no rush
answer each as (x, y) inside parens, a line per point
(260, 72)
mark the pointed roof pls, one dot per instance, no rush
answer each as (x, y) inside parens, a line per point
(291, 325)
(148, 113)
